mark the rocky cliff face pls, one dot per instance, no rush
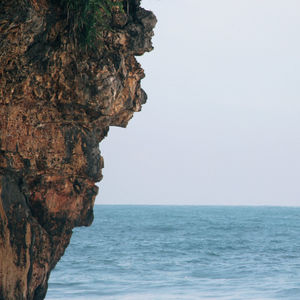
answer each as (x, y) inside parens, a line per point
(57, 101)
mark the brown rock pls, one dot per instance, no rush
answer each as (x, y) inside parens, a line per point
(57, 101)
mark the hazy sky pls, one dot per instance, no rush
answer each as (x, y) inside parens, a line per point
(222, 122)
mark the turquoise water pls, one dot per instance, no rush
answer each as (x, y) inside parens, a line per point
(184, 253)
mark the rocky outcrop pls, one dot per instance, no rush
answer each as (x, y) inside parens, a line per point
(57, 101)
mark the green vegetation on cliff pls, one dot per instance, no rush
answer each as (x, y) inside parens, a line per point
(89, 18)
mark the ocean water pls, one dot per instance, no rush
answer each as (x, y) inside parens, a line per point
(184, 253)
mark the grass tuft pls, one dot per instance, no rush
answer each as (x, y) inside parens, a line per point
(90, 18)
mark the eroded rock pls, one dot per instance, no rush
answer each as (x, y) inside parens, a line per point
(57, 102)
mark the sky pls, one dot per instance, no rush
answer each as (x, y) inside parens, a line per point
(221, 125)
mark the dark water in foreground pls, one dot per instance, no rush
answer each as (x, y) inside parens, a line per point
(182, 252)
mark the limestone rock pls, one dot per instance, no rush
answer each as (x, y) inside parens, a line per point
(57, 102)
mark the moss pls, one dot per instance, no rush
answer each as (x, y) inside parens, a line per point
(90, 18)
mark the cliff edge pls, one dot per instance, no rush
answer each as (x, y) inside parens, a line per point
(58, 97)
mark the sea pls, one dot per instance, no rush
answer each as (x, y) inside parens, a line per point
(183, 253)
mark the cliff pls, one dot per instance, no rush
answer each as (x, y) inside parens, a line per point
(58, 97)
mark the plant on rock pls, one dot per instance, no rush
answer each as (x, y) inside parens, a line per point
(90, 18)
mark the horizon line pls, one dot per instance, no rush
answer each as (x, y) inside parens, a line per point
(216, 205)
